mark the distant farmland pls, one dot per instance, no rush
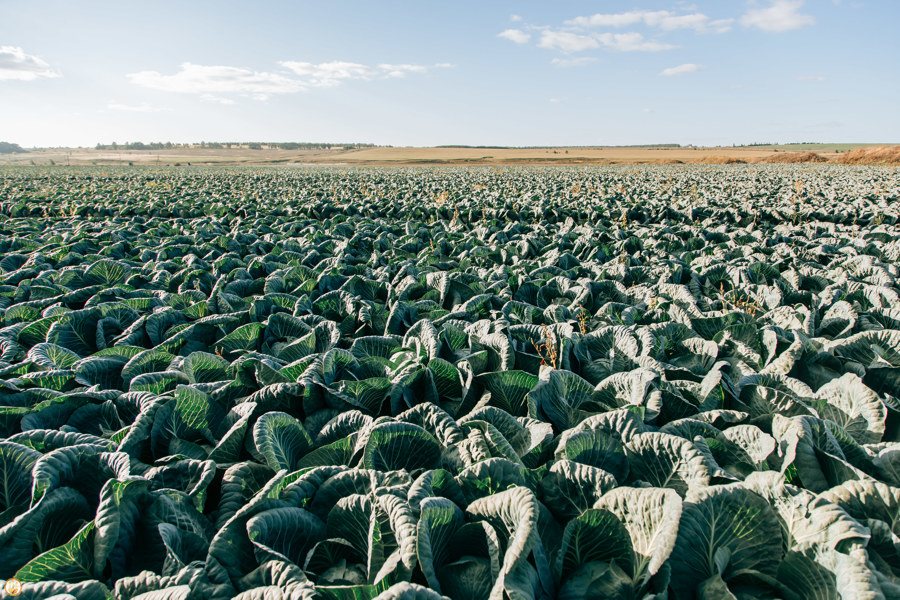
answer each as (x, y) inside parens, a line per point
(451, 155)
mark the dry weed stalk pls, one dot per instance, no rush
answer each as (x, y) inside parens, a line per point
(547, 349)
(751, 307)
(583, 317)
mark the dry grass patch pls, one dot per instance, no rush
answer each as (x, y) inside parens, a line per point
(793, 157)
(718, 159)
(875, 155)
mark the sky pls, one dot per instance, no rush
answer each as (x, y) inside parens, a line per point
(425, 73)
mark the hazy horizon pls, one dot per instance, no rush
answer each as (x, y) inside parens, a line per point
(514, 74)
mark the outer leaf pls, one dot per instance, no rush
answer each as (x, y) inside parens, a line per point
(409, 591)
(724, 530)
(282, 440)
(116, 524)
(52, 356)
(16, 463)
(652, 517)
(808, 520)
(852, 405)
(509, 390)
(665, 460)
(285, 534)
(562, 397)
(515, 513)
(393, 446)
(439, 519)
(73, 561)
(595, 535)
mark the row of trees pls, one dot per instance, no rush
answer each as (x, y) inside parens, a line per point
(223, 145)
(8, 148)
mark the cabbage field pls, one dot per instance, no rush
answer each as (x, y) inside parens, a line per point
(525, 383)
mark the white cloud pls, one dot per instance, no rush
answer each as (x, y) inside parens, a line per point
(201, 79)
(329, 74)
(515, 35)
(573, 62)
(515, 18)
(555, 100)
(211, 82)
(663, 19)
(681, 70)
(647, 110)
(143, 108)
(779, 16)
(402, 70)
(720, 25)
(631, 42)
(812, 79)
(16, 65)
(608, 20)
(567, 41)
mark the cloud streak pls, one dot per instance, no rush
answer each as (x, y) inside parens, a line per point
(662, 19)
(569, 42)
(573, 62)
(214, 82)
(681, 70)
(204, 79)
(566, 41)
(16, 65)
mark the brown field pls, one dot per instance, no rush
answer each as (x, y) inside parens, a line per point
(413, 156)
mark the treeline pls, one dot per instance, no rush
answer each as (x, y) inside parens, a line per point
(554, 147)
(8, 148)
(236, 145)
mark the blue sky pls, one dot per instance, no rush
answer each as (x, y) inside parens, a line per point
(427, 73)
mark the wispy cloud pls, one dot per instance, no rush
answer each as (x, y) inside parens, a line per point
(515, 35)
(15, 64)
(212, 82)
(140, 108)
(593, 32)
(329, 74)
(401, 70)
(579, 61)
(555, 100)
(568, 42)
(632, 42)
(779, 16)
(203, 79)
(515, 18)
(811, 79)
(681, 70)
(662, 19)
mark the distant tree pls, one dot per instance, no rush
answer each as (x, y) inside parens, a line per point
(8, 148)
(254, 146)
